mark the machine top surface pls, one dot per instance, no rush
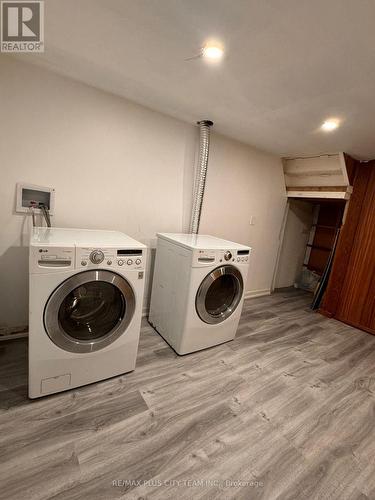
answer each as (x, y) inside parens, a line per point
(55, 236)
(201, 241)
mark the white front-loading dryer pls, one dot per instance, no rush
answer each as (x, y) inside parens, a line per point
(85, 307)
(198, 290)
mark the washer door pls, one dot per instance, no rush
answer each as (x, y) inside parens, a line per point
(219, 294)
(89, 311)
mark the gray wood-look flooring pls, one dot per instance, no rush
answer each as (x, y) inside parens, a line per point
(284, 411)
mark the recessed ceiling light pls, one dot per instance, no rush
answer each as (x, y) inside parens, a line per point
(212, 52)
(330, 125)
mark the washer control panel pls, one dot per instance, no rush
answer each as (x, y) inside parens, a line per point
(202, 258)
(110, 258)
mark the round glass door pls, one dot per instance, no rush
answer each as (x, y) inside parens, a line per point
(219, 294)
(89, 311)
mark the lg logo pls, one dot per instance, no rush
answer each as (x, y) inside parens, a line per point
(22, 26)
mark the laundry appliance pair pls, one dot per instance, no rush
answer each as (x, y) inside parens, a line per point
(86, 298)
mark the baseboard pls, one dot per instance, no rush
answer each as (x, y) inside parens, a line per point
(8, 331)
(257, 293)
(14, 336)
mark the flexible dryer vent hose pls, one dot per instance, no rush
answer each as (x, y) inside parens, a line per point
(200, 181)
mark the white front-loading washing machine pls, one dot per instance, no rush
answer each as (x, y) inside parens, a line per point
(198, 290)
(85, 307)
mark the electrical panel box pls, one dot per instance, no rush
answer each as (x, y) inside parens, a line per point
(31, 195)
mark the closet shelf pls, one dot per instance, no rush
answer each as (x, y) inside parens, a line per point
(317, 247)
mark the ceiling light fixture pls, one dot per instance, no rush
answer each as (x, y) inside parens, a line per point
(329, 125)
(212, 52)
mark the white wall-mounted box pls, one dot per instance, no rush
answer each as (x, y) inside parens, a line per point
(27, 194)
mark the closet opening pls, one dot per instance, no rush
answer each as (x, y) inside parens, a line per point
(310, 232)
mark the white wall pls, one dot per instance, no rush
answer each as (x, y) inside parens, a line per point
(117, 165)
(296, 235)
(113, 164)
(242, 183)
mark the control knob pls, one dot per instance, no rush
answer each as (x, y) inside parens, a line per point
(227, 255)
(96, 256)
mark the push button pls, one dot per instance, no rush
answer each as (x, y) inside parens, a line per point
(120, 262)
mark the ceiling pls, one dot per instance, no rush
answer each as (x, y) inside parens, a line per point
(289, 64)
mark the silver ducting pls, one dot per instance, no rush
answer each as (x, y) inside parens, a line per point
(200, 179)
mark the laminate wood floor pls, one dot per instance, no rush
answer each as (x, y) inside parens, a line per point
(284, 411)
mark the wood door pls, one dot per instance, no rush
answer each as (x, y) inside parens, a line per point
(356, 300)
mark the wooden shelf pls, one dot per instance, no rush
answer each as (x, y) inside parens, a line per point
(317, 247)
(317, 269)
(321, 226)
